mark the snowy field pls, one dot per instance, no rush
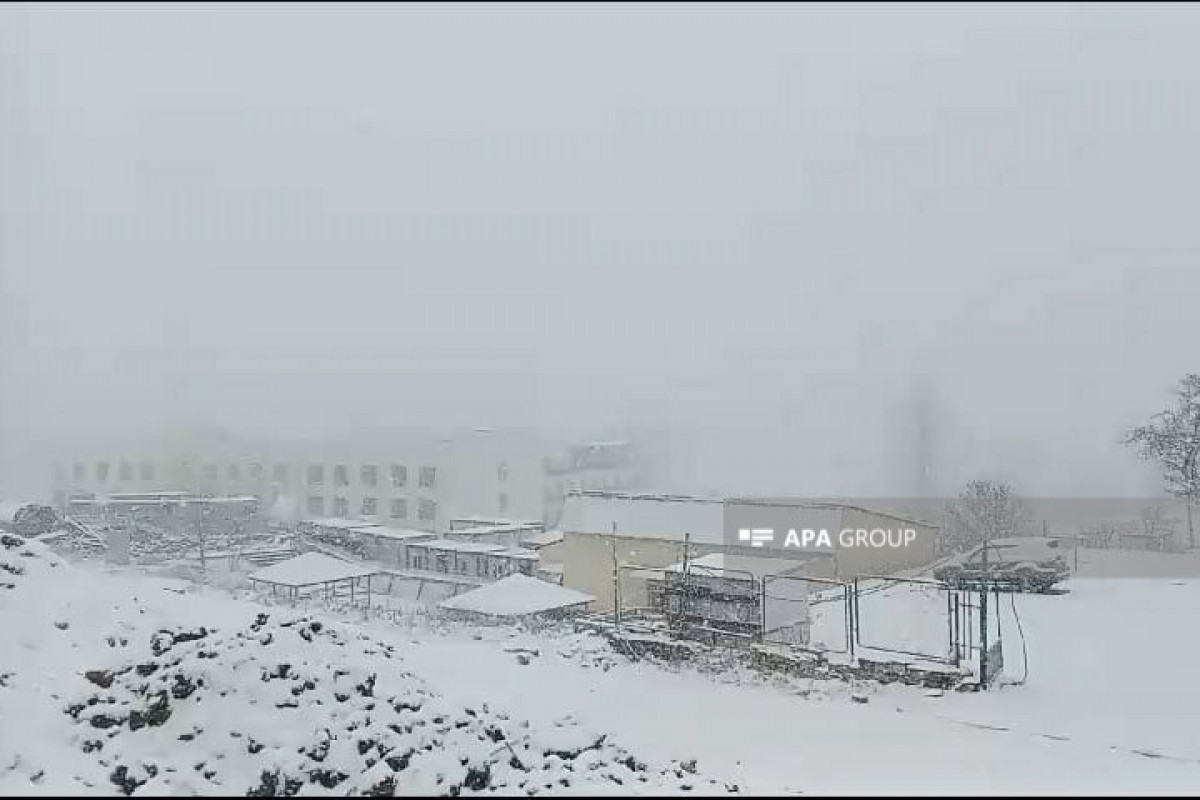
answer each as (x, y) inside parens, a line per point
(1106, 708)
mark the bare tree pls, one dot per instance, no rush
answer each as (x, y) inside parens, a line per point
(1158, 525)
(984, 510)
(1171, 439)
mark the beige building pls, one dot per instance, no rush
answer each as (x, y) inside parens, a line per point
(646, 533)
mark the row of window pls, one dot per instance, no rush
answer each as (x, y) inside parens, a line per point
(368, 473)
(369, 476)
(398, 509)
(103, 469)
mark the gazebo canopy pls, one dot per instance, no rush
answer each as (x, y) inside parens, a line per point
(515, 596)
(311, 569)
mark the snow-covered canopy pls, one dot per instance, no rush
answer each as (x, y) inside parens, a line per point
(311, 569)
(515, 596)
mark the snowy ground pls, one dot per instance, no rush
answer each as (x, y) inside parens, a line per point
(1107, 706)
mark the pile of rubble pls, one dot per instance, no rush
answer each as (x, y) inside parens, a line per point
(281, 705)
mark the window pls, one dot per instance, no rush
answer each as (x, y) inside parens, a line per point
(369, 474)
(280, 473)
(399, 476)
(125, 471)
(316, 474)
(502, 472)
(427, 477)
(370, 507)
(256, 471)
(102, 470)
(399, 508)
(418, 559)
(426, 510)
(316, 506)
(341, 507)
(481, 569)
(211, 472)
(80, 471)
(340, 476)
(235, 473)
(147, 470)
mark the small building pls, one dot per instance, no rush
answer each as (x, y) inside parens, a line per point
(519, 597)
(735, 595)
(336, 532)
(649, 531)
(387, 544)
(474, 559)
(646, 532)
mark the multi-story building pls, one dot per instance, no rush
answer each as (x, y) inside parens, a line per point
(415, 480)
(595, 466)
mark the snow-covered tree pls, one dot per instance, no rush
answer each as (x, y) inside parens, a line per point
(984, 510)
(1171, 439)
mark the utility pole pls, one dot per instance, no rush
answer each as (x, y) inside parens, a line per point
(616, 580)
(685, 606)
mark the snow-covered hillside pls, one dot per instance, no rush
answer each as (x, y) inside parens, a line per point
(193, 690)
(134, 686)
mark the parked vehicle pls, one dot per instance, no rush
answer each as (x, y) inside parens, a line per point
(1030, 564)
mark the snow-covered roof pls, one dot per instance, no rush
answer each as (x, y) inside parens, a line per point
(339, 524)
(515, 596)
(310, 569)
(485, 530)
(736, 566)
(461, 547)
(396, 534)
(543, 539)
(474, 523)
(646, 516)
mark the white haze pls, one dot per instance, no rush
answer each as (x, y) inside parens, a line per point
(764, 223)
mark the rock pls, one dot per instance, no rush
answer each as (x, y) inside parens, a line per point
(101, 677)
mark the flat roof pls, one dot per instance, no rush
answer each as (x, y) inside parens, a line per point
(543, 539)
(338, 523)
(311, 569)
(398, 534)
(483, 530)
(461, 547)
(736, 565)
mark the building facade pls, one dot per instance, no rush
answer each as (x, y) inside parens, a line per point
(639, 534)
(414, 481)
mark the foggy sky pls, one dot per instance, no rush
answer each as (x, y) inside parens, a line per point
(757, 221)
